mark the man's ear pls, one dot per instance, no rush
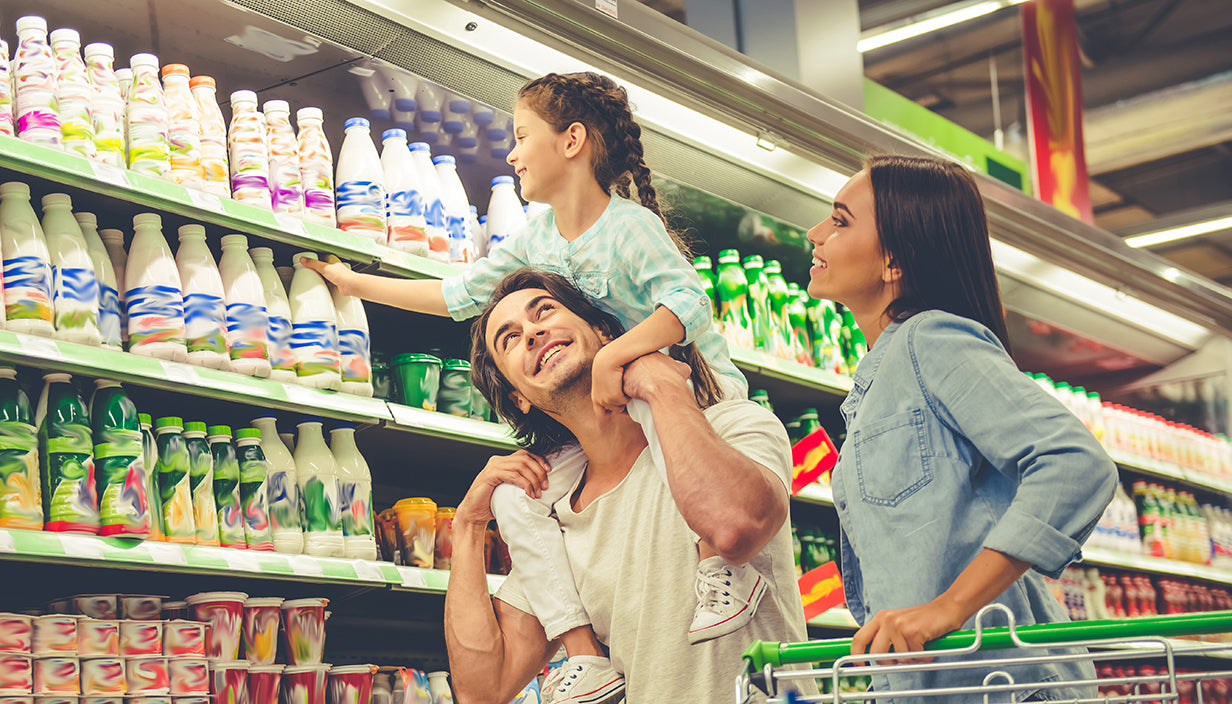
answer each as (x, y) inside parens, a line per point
(575, 139)
(520, 401)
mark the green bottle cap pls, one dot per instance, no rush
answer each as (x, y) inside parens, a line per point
(1093, 395)
(169, 422)
(758, 393)
(194, 426)
(793, 287)
(729, 256)
(416, 358)
(809, 413)
(773, 267)
(144, 418)
(248, 433)
(753, 261)
(1080, 391)
(456, 364)
(220, 430)
(701, 262)
(1063, 385)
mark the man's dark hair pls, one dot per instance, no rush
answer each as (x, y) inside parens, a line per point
(536, 431)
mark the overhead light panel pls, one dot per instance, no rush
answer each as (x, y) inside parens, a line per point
(940, 18)
(1179, 233)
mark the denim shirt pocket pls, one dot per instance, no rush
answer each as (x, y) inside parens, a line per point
(592, 283)
(892, 458)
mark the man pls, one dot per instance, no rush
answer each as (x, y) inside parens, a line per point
(628, 534)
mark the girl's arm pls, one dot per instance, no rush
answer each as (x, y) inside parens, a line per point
(419, 295)
(662, 329)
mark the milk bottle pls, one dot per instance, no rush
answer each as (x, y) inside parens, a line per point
(145, 119)
(457, 208)
(124, 77)
(316, 167)
(283, 488)
(153, 294)
(104, 274)
(286, 192)
(360, 184)
(247, 150)
(119, 467)
(149, 458)
(226, 488)
(74, 289)
(403, 196)
(314, 332)
(27, 264)
(113, 241)
(183, 128)
(320, 503)
(375, 91)
(76, 93)
(35, 85)
(505, 214)
(247, 318)
(108, 106)
(66, 458)
(466, 144)
(278, 308)
(434, 204)
(21, 502)
(457, 114)
(205, 308)
(213, 137)
(428, 101)
(404, 87)
(201, 484)
(174, 472)
(354, 345)
(254, 501)
(482, 115)
(355, 492)
(7, 125)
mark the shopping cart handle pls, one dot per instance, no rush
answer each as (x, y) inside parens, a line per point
(825, 652)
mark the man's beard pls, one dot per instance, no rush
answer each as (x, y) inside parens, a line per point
(569, 390)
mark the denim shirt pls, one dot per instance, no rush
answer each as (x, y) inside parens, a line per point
(951, 449)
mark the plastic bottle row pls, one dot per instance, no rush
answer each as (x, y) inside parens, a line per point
(1162, 522)
(1091, 594)
(102, 468)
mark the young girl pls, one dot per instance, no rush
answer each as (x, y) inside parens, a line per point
(577, 142)
(961, 482)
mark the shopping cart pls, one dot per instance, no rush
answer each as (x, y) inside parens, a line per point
(1136, 661)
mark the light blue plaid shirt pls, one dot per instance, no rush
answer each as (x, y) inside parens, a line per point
(626, 264)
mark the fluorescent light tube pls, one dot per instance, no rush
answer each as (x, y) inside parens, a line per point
(930, 22)
(1178, 233)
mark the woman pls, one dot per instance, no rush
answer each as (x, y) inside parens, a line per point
(961, 482)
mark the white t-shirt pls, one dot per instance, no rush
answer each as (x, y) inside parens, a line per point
(635, 561)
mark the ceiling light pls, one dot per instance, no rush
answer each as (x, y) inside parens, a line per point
(766, 140)
(929, 22)
(1178, 233)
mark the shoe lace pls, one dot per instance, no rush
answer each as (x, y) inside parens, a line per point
(713, 590)
(567, 676)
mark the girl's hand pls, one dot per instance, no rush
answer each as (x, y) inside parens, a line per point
(334, 272)
(905, 630)
(607, 384)
(528, 471)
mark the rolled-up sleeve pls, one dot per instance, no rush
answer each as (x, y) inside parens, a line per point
(654, 264)
(1065, 478)
(467, 293)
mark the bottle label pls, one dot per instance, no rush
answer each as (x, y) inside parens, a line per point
(74, 298)
(356, 501)
(321, 510)
(254, 498)
(246, 326)
(281, 355)
(315, 344)
(155, 314)
(27, 289)
(406, 219)
(149, 151)
(21, 502)
(249, 159)
(354, 346)
(70, 501)
(361, 207)
(201, 486)
(109, 128)
(205, 319)
(459, 240)
(283, 500)
(109, 315)
(286, 191)
(437, 226)
(123, 503)
(230, 520)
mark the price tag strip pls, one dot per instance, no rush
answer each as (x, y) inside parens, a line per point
(110, 174)
(205, 201)
(41, 347)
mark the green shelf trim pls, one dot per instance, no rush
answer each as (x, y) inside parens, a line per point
(819, 379)
(1157, 565)
(443, 425)
(1167, 472)
(410, 266)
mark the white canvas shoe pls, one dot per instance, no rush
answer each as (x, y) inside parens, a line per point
(727, 597)
(584, 679)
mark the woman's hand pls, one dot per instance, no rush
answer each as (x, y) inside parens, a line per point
(530, 472)
(607, 381)
(906, 630)
(334, 272)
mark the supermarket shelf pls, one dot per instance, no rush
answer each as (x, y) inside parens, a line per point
(1180, 648)
(450, 427)
(820, 494)
(1171, 473)
(791, 385)
(838, 617)
(1097, 557)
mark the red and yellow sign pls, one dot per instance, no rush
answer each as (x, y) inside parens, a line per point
(811, 458)
(821, 589)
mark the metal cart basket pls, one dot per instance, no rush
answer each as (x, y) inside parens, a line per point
(1137, 660)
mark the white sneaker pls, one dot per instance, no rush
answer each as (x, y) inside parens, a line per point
(584, 679)
(727, 596)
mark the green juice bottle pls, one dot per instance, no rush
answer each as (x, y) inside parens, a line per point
(123, 504)
(797, 318)
(832, 328)
(149, 459)
(174, 480)
(21, 502)
(706, 271)
(227, 488)
(759, 302)
(733, 290)
(854, 344)
(66, 454)
(254, 494)
(777, 296)
(201, 483)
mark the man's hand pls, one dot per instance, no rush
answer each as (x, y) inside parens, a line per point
(653, 373)
(905, 630)
(607, 382)
(334, 272)
(521, 468)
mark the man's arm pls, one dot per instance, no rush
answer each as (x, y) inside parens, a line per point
(732, 502)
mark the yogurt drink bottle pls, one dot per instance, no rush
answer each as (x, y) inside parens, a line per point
(124, 76)
(317, 475)
(66, 458)
(153, 295)
(247, 151)
(213, 137)
(174, 480)
(27, 264)
(457, 210)
(316, 167)
(428, 112)
(354, 345)
(21, 500)
(113, 241)
(505, 214)
(205, 308)
(149, 459)
(7, 125)
(124, 506)
(466, 144)
(104, 274)
(227, 488)
(35, 85)
(777, 295)
(403, 196)
(254, 501)
(457, 114)
(183, 128)
(355, 493)
(759, 303)
(74, 289)
(75, 93)
(404, 86)
(107, 109)
(733, 288)
(286, 191)
(247, 319)
(282, 357)
(360, 184)
(146, 120)
(201, 483)
(283, 488)
(434, 204)
(375, 91)
(314, 332)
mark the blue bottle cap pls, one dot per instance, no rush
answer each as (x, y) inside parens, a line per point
(393, 134)
(443, 159)
(342, 424)
(355, 122)
(483, 219)
(430, 115)
(502, 179)
(459, 105)
(419, 147)
(309, 419)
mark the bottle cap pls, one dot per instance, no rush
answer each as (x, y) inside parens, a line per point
(124, 75)
(355, 122)
(456, 364)
(57, 376)
(169, 422)
(148, 220)
(248, 433)
(8, 373)
(191, 231)
(195, 426)
(416, 358)
(502, 180)
(220, 430)
(309, 419)
(233, 240)
(144, 418)
(309, 114)
(15, 188)
(773, 267)
(729, 256)
(305, 255)
(264, 254)
(176, 70)
(244, 96)
(276, 106)
(64, 35)
(147, 60)
(202, 81)
(31, 22)
(701, 261)
(393, 134)
(57, 199)
(342, 425)
(443, 159)
(753, 260)
(87, 219)
(483, 219)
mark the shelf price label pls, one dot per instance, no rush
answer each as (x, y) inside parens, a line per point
(304, 565)
(166, 553)
(82, 546)
(242, 561)
(40, 347)
(183, 373)
(412, 578)
(368, 571)
(205, 201)
(110, 174)
(7, 544)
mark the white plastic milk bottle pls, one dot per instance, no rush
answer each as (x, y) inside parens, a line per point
(282, 357)
(35, 87)
(183, 128)
(316, 167)
(354, 345)
(360, 184)
(317, 475)
(434, 205)
(213, 137)
(457, 208)
(283, 486)
(75, 92)
(286, 191)
(7, 124)
(104, 273)
(428, 101)
(403, 195)
(145, 118)
(355, 492)
(27, 265)
(108, 107)
(505, 214)
(124, 76)
(314, 331)
(247, 319)
(247, 151)
(205, 308)
(74, 290)
(466, 144)
(153, 294)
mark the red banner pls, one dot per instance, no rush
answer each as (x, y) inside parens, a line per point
(821, 589)
(1054, 99)
(811, 458)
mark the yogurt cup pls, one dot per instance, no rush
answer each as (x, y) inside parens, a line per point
(262, 616)
(224, 611)
(191, 700)
(101, 606)
(303, 626)
(98, 638)
(16, 676)
(229, 682)
(141, 638)
(264, 684)
(147, 676)
(141, 607)
(16, 699)
(16, 633)
(55, 634)
(188, 676)
(102, 700)
(176, 610)
(184, 639)
(304, 684)
(56, 699)
(149, 700)
(351, 684)
(103, 676)
(57, 675)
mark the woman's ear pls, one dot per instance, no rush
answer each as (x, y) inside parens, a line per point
(892, 273)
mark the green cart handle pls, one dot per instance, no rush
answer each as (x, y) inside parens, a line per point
(826, 652)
